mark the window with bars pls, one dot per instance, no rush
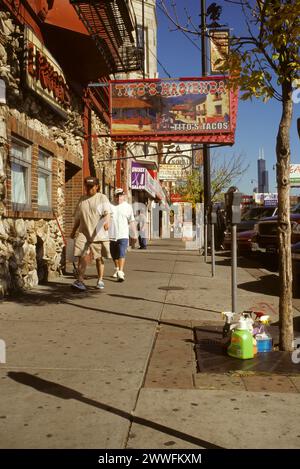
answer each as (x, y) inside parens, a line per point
(44, 180)
(218, 110)
(140, 37)
(20, 157)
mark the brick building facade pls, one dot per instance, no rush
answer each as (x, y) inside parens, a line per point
(53, 132)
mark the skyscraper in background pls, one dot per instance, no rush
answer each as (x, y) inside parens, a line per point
(263, 175)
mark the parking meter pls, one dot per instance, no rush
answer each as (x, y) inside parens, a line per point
(213, 214)
(213, 222)
(233, 200)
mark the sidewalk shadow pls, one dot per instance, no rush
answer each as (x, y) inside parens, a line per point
(170, 273)
(266, 284)
(296, 324)
(63, 392)
(243, 262)
(139, 298)
(52, 292)
(127, 315)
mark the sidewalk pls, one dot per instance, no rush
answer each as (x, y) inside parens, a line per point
(117, 369)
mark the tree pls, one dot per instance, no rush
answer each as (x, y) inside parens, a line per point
(268, 63)
(222, 176)
(265, 64)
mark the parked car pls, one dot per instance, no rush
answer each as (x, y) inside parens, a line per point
(266, 239)
(296, 267)
(253, 214)
(244, 241)
(245, 228)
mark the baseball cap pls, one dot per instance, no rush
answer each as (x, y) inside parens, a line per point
(119, 191)
(91, 181)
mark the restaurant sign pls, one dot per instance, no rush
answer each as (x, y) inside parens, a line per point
(141, 179)
(295, 175)
(199, 107)
(219, 48)
(43, 74)
(170, 172)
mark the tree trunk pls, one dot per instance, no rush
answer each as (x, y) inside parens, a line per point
(284, 226)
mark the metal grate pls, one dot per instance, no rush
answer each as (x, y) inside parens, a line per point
(111, 26)
(210, 350)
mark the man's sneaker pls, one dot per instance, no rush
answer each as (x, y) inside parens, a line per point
(115, 275)
(100, 284)
(79, 285)
(120, 276)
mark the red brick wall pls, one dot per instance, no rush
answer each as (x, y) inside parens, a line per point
(60, 156)
(73, 190)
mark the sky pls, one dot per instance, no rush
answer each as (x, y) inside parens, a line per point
(257, 122)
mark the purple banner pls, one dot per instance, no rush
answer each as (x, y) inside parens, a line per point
(141, 179)
(138, 176)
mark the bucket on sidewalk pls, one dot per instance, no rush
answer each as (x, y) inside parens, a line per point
(263, 342)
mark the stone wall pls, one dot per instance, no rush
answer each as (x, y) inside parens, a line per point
(31, 242)
(31, 246)
(103, 148)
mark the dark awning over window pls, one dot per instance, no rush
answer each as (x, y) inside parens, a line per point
(111, 25)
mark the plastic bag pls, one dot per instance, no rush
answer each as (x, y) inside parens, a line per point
(70, 250)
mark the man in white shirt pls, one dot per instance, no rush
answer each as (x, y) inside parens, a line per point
(122, 226)
(92, 218)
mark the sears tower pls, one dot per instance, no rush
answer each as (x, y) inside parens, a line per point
(263, 176)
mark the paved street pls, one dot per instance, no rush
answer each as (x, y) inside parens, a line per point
(116, 368)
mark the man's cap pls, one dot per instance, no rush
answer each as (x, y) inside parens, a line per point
(119, 191)
(91, 181)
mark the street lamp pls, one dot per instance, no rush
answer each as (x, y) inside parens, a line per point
(206, 148)
(252, 181)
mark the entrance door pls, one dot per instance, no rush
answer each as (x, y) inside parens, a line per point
(73, 190)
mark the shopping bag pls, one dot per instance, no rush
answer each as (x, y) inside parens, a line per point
(70, 250)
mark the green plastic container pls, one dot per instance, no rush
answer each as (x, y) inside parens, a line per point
(241, 344)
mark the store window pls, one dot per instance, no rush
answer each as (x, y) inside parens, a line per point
(20, 154)
(44, 180)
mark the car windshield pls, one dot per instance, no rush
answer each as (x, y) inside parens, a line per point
(296, 208)
(256, 213)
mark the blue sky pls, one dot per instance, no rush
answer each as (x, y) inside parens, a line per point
(257, 122)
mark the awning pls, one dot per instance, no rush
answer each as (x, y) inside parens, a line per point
(71, 44)
(112, 25)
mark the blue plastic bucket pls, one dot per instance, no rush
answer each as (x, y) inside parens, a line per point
(264, 345)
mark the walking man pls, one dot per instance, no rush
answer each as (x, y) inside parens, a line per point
(122, 226)
(92, 218)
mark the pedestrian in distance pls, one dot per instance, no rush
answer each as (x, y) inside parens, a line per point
(141, 220)
(122, 227)
(220, 229)
(92, 219)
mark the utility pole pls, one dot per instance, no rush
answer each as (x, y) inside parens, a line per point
(206, 149)
(144, 56)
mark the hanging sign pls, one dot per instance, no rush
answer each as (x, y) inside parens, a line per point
(197, 156)
(43, 74)
(295, 175)
(196, 109)
(219, 47)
